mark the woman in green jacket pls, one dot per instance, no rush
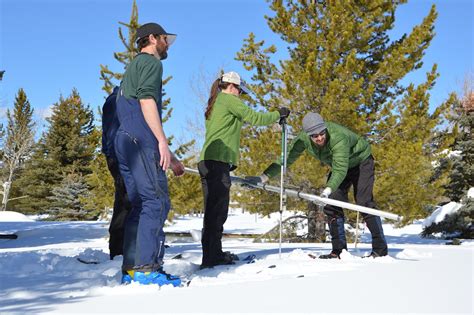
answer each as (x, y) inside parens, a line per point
(225, 115)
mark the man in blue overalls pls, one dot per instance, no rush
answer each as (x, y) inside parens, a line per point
(143, 155)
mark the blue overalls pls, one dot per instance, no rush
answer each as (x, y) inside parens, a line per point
(137, 153)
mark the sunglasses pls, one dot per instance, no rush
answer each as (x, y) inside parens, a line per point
(317, 135)
(238, 88)
(169, 39)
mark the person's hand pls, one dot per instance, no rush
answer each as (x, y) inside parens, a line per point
(284, 113)
(165, 155)
(326, 192)
(177, 167)
(255, 180)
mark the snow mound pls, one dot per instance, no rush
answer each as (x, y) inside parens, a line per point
(413, 254)
(439, 214)
(92, 255)
(11, 216)
(345, 255)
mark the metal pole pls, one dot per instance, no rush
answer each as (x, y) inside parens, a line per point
(282, 179)
(357, 230)
(313, 198)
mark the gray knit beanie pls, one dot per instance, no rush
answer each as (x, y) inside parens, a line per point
(313, 123)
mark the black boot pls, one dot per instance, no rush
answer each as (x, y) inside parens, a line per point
(229, 255)
(226, 258)
(338, 236)
(332, 255)
(379, 244)
(373, 255)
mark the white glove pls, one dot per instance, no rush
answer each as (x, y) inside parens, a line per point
(326, 192)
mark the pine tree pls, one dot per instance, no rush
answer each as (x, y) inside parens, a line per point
(404, 182)
(99, 181)
(459, 224)
(185, 192)
(69, 138)
(343, 65)
(67, 147)
(125, 57)
(462, 174)
(461, 178)
(18, 142)
(2, 130)
(67, 199)
(2, 135)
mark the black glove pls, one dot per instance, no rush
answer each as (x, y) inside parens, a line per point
(284, 113)
(255, 180)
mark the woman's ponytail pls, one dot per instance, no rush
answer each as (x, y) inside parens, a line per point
(212, 97)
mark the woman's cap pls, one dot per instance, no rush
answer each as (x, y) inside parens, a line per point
(234, 78)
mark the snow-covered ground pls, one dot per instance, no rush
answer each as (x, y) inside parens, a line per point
(40, 273)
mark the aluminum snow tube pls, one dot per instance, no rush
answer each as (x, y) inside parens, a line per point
(312, 198)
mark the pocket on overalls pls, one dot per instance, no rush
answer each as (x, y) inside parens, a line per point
(160, 192)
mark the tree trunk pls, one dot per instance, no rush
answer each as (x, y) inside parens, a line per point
(6, 192)
(316, 223)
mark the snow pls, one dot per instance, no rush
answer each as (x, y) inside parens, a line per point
(441, 212)
(451, 153)
(237, 223)
(10, 216)
(39, 273)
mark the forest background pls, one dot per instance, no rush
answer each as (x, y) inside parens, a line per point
(348, 60)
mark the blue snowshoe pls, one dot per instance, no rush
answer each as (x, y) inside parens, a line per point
(159, 277)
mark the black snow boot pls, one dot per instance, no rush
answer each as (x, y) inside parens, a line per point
(228, 255)
(338, 236)
(374, 255)
(226, 258)
(379, 244)
(332, 255)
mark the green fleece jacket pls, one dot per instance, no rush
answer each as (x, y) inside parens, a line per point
(224, 124)
(344, 149)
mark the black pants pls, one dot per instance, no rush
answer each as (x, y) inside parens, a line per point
(361, 177)
(215, 179)
(121, 209)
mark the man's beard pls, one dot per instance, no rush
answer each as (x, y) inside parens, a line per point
(162, 52)
(163, 55)
(322, 144)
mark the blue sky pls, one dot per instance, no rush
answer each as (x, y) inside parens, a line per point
(49, 47)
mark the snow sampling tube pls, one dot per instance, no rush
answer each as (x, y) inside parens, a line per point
(313, 198)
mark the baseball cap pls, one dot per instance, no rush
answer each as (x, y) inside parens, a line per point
(234, 78)
(154, 28)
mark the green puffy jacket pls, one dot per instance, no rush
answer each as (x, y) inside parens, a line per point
(224, 124)
(344, 149)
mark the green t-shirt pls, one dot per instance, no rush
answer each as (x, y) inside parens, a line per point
(344, 149)
(143, 78)
(224, 124)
